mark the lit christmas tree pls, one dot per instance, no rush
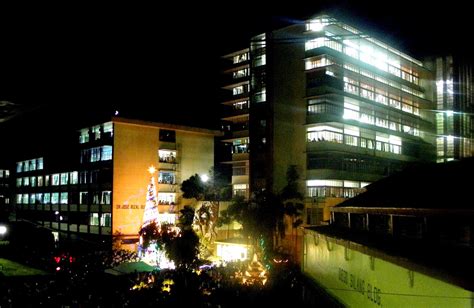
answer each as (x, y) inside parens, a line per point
(149, 249)
(151, 207)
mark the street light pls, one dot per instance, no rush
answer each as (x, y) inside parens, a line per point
(3, 229)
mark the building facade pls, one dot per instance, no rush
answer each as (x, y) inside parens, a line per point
(455, 108)
(344, 107)
(103, 191)
(4, 193)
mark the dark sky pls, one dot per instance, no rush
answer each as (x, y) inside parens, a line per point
(71, 62)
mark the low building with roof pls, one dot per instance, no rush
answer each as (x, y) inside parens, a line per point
(407, 241)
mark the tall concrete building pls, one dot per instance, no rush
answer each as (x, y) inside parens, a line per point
(344, 107)
(100, 190)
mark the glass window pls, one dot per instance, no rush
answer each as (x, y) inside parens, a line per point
(33, 181)
(19, 167)
(19, 199)
(74, 177)
(94, 219)
(166, 177)
(40, 181)
(64, 197)
(25, 198)
(40, 163)
(167, 156)
(18, 182)
(106, 152)
(47, 198)
(55, 198)
(26, 181)
(106, 220)
(64, 178)
(33, 165)
(55, 179)
(83, 197)
(106, 197)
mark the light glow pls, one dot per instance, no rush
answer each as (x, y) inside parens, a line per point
(152, 169)
(3, 230)
(204, 178)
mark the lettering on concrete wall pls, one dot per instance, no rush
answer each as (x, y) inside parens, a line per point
(130, 206)
(371, 292)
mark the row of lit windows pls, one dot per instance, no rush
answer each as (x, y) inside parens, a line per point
(29, 165)
(365, 54)
(240, 189)
(354, 141)
(102, 153)
(4, 174)
(104, 219)
(334, 188)
(42, 198)
(365, 115)
(380, 96)
(103, 197)
(56, 180)
(325, 60)
(95, 132)
(351, 136)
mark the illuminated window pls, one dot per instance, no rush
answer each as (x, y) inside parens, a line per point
(240, 58)
(166, 177)
(106, 220)
(19, 167)
(64, 178)
(64, 198)
(166, 198)
(55, 198)
(40, 163)
(47, 198)
(84, 135)
(167, 156)
(106, 197)
(83, 197)
(55, 179)
(40, 181)
(94, 219)
(32, 164)
(74, 177)
(106, 152)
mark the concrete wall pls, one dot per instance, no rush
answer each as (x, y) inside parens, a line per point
(135, 150)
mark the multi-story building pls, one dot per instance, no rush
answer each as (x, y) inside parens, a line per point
(455, 108)
(4, 193)
(344, 107)
(101, 190)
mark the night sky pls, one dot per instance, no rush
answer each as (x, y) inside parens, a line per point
(65, 64)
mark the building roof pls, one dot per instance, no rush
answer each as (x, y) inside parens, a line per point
(178, 127)
(430, 186)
